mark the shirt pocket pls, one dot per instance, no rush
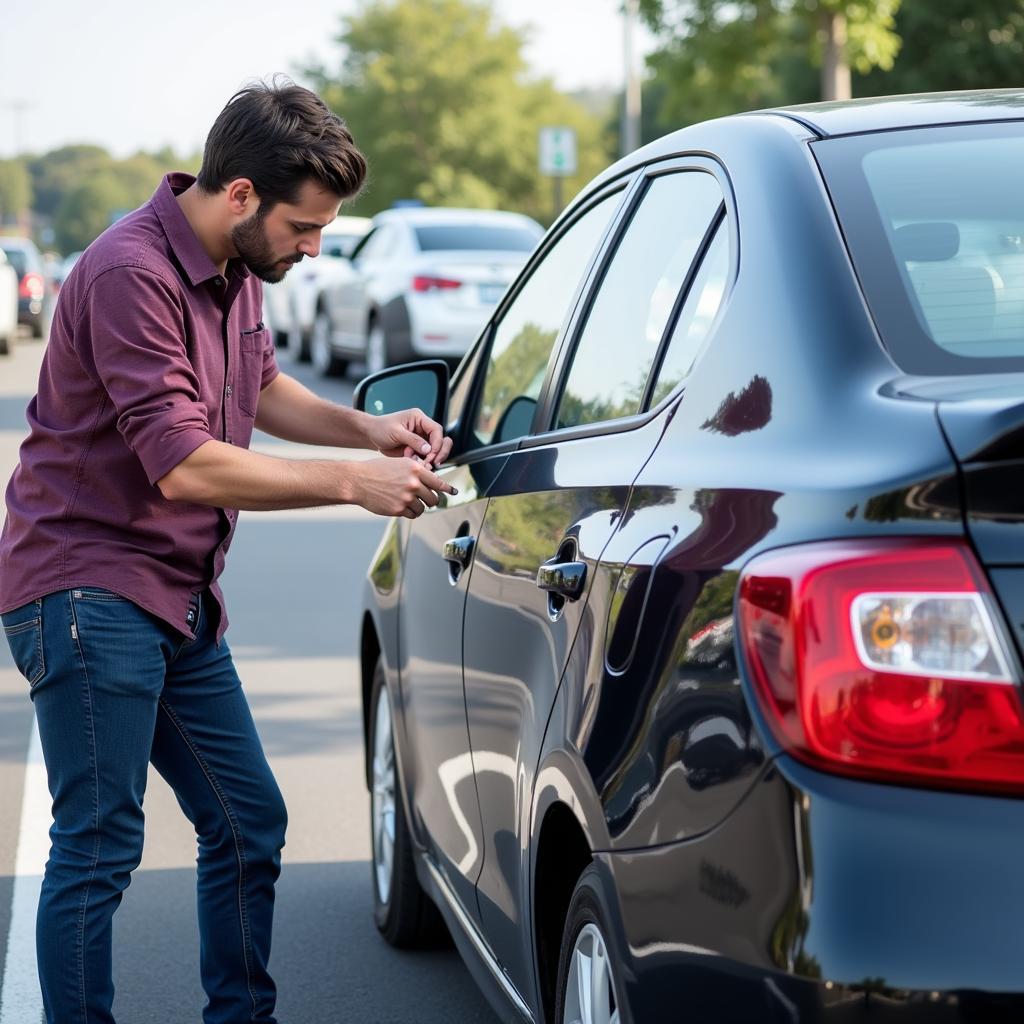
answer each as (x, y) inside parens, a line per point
(249, 377)
(23, 629)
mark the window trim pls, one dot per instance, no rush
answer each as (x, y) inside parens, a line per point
(543, 433)
(624, 186)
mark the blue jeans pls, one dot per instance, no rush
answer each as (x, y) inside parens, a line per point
(115, 688)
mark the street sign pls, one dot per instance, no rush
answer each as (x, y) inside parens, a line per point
(557, 152)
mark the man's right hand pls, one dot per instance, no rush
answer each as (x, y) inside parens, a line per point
(397, 487)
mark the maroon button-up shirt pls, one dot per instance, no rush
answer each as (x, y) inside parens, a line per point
(151, 354)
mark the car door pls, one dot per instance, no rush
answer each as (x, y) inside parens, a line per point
(552, 510)
(440, 550)
(350, 297)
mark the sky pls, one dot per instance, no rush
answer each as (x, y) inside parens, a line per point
(135, 74)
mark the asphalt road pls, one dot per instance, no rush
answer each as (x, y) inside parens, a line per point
(293, 586)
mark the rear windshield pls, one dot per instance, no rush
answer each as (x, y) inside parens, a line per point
(934, 219)
(476, 236)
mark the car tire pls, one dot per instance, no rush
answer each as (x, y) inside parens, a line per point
(322, 356)
(404, 914)
(297, 349)
(6, 344)
(377, 355)
(37, 327)
(587, 953)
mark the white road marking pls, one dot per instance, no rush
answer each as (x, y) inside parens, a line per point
(20, 999)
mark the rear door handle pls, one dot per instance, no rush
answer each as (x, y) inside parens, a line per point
(459, 551)
(566, 579)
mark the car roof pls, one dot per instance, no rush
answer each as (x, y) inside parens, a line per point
(885, 113)
(16, 242)
(346, 225)
(424, 215)
(825, 120)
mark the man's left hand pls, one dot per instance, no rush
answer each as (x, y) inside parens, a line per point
(409, 433)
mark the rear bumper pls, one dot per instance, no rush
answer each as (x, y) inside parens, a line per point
(437, 331)
(820, 897)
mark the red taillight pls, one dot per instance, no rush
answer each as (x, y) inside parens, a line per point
(32, 286)
(886, 661)
(429, 284)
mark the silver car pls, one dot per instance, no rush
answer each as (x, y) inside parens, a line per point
(420, 285)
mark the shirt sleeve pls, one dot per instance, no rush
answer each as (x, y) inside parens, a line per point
(130, 337)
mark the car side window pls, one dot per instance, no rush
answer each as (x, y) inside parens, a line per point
(634, 301)
(525, 335)
(696, 316)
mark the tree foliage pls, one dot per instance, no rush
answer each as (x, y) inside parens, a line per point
(15, 190)
(958, 44)
(721, 56)
(436, 94)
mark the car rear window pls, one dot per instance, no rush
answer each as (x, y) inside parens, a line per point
(476, 236)
(934, 220)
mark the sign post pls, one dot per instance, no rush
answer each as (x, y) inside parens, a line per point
(557, 148)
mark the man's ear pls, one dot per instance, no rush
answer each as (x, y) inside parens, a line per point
(242, 198)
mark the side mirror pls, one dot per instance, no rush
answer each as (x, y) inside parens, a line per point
(516, 420)
(422, 385)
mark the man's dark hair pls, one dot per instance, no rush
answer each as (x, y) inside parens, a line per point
(279, 136)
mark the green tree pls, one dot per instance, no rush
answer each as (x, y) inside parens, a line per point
(435, 93)
(85, 210)
(15, 190)
(56, 173)
(720, 56)
(958, 44)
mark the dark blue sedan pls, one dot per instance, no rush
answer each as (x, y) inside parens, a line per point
(701, 701)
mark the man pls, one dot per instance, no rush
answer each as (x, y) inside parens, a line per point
(120, 515)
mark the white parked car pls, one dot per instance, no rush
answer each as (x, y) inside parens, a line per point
(420, 285)
(8, 304)
(292, 303)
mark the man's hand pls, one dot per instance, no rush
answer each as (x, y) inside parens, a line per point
(397, 487)
(412, 432)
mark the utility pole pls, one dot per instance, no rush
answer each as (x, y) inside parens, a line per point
(631, 92)
(18, 108)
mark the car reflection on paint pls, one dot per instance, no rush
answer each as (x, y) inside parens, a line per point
(701, 699)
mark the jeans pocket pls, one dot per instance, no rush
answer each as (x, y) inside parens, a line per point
(23, 629)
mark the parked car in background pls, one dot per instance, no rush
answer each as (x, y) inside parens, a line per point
(702, 698)
(23, 255)
(293, 302)
(421, 284)
(277, 309)
(8, 305)
(64, 268)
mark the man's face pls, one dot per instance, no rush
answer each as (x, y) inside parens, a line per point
(271, 242)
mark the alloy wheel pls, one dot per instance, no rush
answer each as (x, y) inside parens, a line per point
(590, 991)
(383, 798)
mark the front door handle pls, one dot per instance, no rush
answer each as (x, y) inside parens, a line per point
(459, 551)
(566, 579)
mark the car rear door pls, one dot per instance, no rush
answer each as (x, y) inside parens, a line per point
(552, 510)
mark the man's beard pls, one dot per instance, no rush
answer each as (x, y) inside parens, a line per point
(250, 241)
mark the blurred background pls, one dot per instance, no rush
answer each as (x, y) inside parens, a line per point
(447, 97)
(483, 104)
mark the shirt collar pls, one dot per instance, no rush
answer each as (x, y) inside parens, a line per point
(194, 259)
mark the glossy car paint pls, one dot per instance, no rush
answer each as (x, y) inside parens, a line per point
(748, 887)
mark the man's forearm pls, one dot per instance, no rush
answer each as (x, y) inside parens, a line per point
(225, 476)
(290, 411)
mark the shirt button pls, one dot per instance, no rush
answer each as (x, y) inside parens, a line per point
(227, 391)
